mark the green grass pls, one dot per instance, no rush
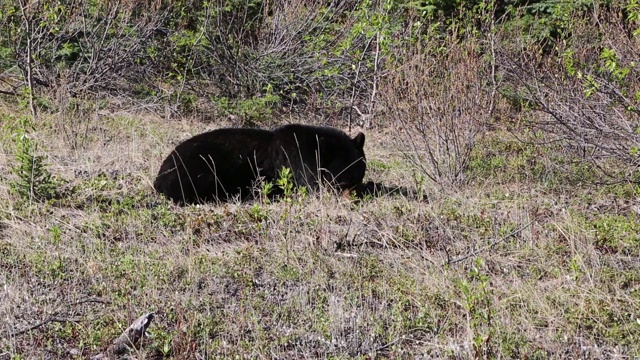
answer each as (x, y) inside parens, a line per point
(511, 265)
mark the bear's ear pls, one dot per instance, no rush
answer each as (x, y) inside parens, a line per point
(359, 140)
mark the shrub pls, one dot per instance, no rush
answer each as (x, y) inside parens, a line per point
(585, 91)
(439, 99)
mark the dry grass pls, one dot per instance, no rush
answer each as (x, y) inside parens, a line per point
(520, 263)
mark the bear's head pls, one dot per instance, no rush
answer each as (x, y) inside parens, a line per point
(342, 161)
(315, 150)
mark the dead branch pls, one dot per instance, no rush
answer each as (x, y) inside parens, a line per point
(441, 122)
(132, 336)
(129, 339)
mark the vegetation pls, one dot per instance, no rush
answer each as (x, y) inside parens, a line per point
(506, 135)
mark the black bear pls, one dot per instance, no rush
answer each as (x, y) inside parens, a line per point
(223, 164)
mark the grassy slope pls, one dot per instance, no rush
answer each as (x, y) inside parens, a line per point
(319, 276)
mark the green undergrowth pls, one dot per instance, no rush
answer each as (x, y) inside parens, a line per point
(524, 158)
(519, 263)
(256, 278)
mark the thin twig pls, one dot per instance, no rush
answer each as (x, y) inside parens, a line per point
(382, 347)
(90, 300)
(357, 78)
(29, 70)
(369, 121)
(41, 324)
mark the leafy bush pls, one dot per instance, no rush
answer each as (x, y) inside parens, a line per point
(253, 111)
(305, 53)
(585, 92)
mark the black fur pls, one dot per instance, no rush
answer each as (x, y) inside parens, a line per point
(220, 165)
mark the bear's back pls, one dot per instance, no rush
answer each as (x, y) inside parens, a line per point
(215, 165)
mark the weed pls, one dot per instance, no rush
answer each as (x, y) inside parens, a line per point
(285, 183)
(33, 180)
(477, 303)
(617, 233)
(376, 165)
